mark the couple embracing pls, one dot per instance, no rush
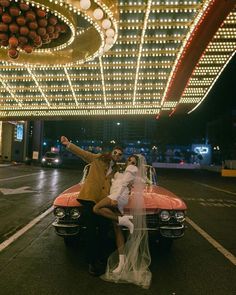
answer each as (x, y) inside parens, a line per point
(103, 196)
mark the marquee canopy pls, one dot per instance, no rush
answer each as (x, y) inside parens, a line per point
(152, 57)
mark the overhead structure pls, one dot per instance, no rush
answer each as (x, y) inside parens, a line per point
(150, 57)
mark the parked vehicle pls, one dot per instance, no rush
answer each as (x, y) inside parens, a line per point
(165, 212)
(51, 159)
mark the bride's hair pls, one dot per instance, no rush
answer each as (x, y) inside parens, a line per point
(136, 158)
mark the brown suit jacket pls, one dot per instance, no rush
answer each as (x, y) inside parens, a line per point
(97, 184)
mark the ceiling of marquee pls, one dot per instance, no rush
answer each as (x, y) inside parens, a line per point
(134, 76)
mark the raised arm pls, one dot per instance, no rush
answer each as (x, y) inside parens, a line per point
(88, 157)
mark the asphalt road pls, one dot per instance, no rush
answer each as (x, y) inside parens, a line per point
(39, 263)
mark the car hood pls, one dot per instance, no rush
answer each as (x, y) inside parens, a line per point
(155, 198)
(68, 198)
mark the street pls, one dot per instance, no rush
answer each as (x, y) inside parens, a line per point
(39, 263)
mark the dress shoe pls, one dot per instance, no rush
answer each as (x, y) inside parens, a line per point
(96, 270)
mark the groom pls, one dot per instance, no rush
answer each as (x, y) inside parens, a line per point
(95, 188)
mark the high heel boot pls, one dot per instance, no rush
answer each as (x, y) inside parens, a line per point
(125, 221)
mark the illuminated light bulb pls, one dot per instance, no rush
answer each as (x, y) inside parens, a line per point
(98, 13)
(109, 41)
(110, 33)
(106, 24)
(85, 4)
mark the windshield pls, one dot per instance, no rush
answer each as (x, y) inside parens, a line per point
(151, 177)
(51, 155)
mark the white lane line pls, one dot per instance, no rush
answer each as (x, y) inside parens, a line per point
(10, 178)
(216, 188)
(212, 241)
(14, 237)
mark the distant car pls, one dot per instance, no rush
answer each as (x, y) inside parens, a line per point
(165, 212)
(51, 159)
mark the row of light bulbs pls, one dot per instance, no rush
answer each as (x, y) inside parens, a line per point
(162, 20)
(113, 76)
(160, 10)
(22, 114)
(152, 27)
(124, 3)
(65, 98)
(71, 105)
(199, 94)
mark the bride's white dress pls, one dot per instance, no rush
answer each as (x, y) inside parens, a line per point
(119, 188)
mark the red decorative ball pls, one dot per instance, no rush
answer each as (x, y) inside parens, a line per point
(24, 30)
(38, 41)
(14, 28)
(41, 31)
(30, 15)
(23, 40)
(6, 18)
(33, 25)
(4, 42)
(42, 22)
(63, 28)
(50, 29)
(5, 3)
(55, 35)
(52, 20)
(57, 28)
(24, 6)
(20, 20)
(41, 13)
(32, 35)
(3, 27)
(3, 36)
(13, 42)
(13, 53)
(1, 10)
(28, 48)
(44, 37)
(14, 11)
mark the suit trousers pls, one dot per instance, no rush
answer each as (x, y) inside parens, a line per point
(96, 234)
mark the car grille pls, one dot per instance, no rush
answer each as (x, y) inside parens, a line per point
(152, 221)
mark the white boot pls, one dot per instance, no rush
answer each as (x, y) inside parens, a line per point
(125, 221)
(120, 265)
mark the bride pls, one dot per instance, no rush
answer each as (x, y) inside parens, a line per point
(130, 262)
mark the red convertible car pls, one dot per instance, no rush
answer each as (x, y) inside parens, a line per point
(165, 212)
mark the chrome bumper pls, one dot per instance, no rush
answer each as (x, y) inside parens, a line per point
(172, 231)
(66, 229)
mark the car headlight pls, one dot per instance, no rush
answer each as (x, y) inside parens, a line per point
(56, 160)
(180, 216)
(74, 213)
(59, 212)
(43, 159)
(164, 215)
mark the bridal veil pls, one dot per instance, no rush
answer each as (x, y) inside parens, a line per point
(136, 249)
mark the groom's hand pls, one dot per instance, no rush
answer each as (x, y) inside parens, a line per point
(64, 140)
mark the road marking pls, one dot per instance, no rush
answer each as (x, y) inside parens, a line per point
(212, 241)
(16, 191)
(14, 237)
(216, 188)
(10, 178)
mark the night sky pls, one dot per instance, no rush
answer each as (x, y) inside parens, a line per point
(178, 129)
